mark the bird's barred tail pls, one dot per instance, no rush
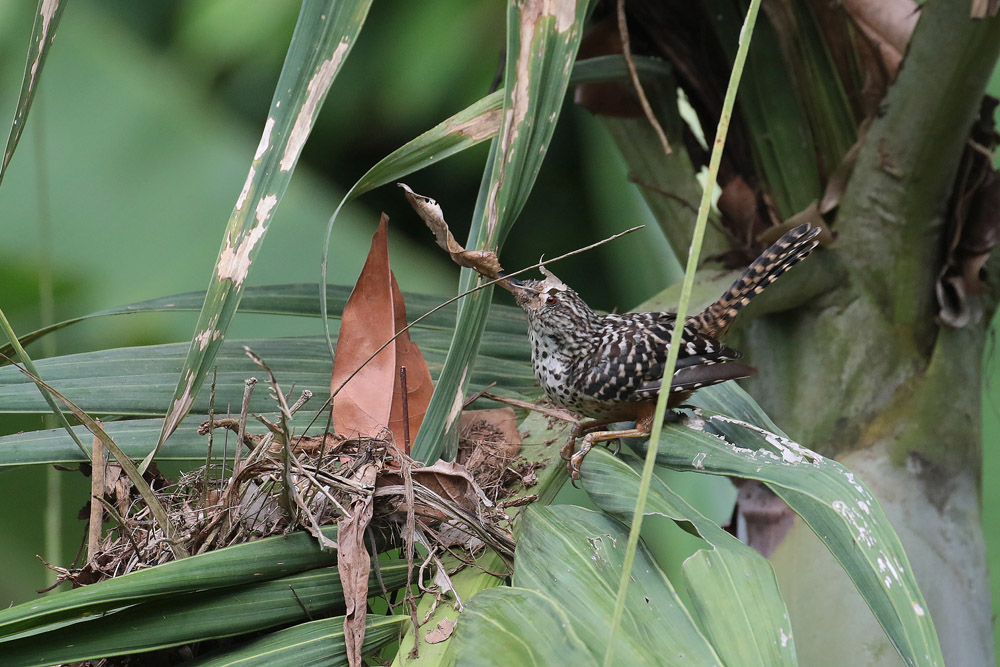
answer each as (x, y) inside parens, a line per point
(786, 252)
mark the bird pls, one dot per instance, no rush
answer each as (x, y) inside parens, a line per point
(609, 368)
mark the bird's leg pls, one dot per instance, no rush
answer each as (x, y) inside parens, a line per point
(581, 429)
(643, 427)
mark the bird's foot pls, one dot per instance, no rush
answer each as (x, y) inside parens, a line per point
(577, 459)
(566, 453)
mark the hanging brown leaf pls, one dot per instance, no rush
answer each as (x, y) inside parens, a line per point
(372, 400)
(484, 262)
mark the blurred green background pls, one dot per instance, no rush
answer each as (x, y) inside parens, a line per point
(139, 142)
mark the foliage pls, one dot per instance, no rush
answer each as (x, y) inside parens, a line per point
(725, 609)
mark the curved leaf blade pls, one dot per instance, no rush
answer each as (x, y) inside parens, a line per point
(43, 33)
(134, 437)
(836, 505)
(133, 381)
(517, 626)
(294, 299)
(575, 557)
(315, 643)
(233, 566)
(325, 32)
(734, 592)
(194, 617)
(542, 42)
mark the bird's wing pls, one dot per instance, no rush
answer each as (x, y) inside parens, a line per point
(633, 351)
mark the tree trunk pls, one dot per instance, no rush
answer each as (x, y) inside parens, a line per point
(867, 374)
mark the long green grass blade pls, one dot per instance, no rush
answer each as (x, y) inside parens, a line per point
(134, 437)
(733, 590)
(682, 310)
(43, 33)
(325, 32)
(262, 560)
(316, 643)
(542, 41)
(29, 365)
(195, 617)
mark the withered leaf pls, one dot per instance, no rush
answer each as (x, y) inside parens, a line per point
(419, 386)
(605, 98)
(483, 262)
(371, 401)
(888, 24)
(354, 565)
(444, 629)
(446, 479)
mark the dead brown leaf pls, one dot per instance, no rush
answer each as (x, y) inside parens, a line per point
(982, 9)
(371, 400)
(974, 224)
(354, 565)
(768, 518)
(605, 98)
(419, 386)
(739, 209)
(483, 262)
(888, 23)
(444, 629)
(446, 479)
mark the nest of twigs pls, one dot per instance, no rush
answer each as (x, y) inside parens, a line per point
(268, 488)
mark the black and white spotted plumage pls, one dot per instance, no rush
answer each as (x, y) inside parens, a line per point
(604, 366)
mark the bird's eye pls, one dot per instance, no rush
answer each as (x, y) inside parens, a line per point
(551, 300)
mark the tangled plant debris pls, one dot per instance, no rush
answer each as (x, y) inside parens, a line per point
(456, 505)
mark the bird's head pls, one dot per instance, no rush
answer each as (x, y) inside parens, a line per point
(553, 308)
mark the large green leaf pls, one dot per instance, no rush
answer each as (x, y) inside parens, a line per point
(542, 41)
(296, 299)
(233, 566)
(134, 437)
(733, 590)
(517, 626)
(325, 32)
(316, 643)
(829, 498)
(97, 379)
(194, 617)
(136, 380)
(574, 556)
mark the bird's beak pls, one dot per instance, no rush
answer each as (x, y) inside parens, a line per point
(512, 285)
(522, 295)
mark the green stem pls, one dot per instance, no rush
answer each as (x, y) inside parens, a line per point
(675, 340)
